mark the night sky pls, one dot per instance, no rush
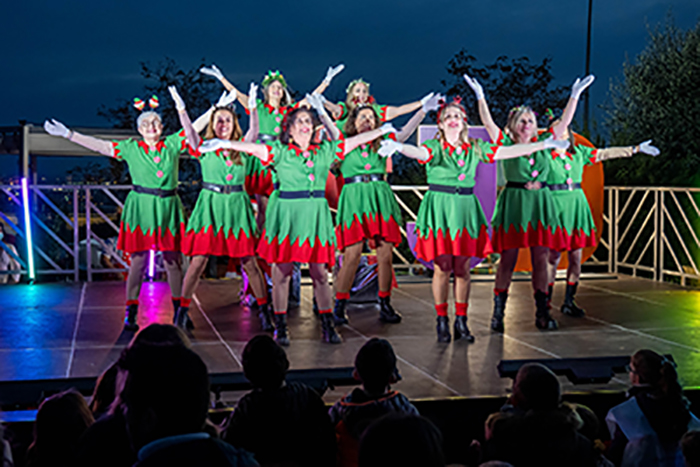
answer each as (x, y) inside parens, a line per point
(64, 58)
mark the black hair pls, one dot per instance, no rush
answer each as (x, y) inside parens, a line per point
(291, 117)
(536, 387)
(265, 363)
(376, 364)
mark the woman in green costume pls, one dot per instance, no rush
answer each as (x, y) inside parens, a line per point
(451, 225)
(152, 219)
(367, 209)
(525, 216)
(298, 225)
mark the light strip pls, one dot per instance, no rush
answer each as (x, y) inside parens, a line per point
(152, 264)
(28, 228)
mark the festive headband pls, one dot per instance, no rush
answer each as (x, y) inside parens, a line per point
(273, 76)
(456, 102)
(153, 103)
(550, 114)
(521, 108)
(354, 82)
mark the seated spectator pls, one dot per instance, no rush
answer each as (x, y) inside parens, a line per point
(399, 440)
(534, 428)
(60, 421)
(646, 429)
(690, 446)
(590, 428)
(106, 442)
(375, 367)
(5, 449)
(167, 398)
(280, 423)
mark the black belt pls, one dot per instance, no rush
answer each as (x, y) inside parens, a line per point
(454, 190)
(155, 191)
(365, 178)
(522, 185)
(565, 186)
(223, 189)
(302, 194)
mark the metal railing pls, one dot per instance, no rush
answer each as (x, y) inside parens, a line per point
(650, 232)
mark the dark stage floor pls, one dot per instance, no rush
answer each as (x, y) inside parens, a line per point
(58, 330)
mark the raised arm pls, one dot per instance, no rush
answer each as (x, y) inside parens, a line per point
(396, 111)
(254, 121)
(330, 74)
(429, 102)
(56, 128)
(484, 112)
(316, 102)
(216, 73)
(191, 134)
(258, 150)
(567, 117)
(629, 151)
(389, 147)
(518, 150)
(226, 98)
(367, 136)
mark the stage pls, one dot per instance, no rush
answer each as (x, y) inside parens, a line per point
(60, 330)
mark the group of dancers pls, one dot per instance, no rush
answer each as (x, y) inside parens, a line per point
(284, 160)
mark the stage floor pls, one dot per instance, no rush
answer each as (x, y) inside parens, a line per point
(59, 330)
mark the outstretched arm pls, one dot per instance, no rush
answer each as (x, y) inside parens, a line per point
(258, 150)
(331, 73)
(484, 112)
(518, 150)
(316, 101)
(429, 102)
(629, 151)
(389, 147)
(367, 136)
(567, 117)
(216, 73)
(191, 134)
(56, 128)
(396, 111)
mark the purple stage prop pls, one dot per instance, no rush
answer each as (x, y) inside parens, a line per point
(484, 189)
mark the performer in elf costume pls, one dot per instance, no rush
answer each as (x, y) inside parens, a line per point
(525, 216)
(298, 227)
(367, 208)
(222, 222)
(564, 181)
(152, 218)
(451, 225)
(357, 93)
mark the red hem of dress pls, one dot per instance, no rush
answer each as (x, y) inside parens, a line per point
(527, 238)
(285, 252)
(580, 240)
(136, 241)
(260, 183)
(367, 229)
(430, 247)
(210, 244)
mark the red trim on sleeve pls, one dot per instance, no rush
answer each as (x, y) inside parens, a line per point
(430, 155)
(594, 157)
(493, 148)
(340, 148)
(270, 156)
(117, 151)
(500, 138)
(391, 136)
(382, 112)
(193, 152)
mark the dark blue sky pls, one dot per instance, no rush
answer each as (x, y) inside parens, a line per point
(64, 58)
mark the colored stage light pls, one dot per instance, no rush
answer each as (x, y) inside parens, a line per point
(28, 228)
(152, 264)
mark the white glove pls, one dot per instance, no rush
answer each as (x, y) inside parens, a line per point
(476, 87)
(179, 103)
(389, 147)
(315, 101)
(214, 144)
(388, 128)
(580, 85)
(253, 96)
(551, 143)
(213, 71)
(431, 102)
(647, 148)
(332, 73)
(226, 98)
(56, 128)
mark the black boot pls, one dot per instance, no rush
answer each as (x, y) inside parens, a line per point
(130, 317)
(189, 325)
(550, 292)
(569, 307)
(543, 320)
(461, 329)
(281, 335)
(339, 311)
(443, 329)
(265, 316)
(499, 311)
(387, 314)
(328, 327)
(182, 316)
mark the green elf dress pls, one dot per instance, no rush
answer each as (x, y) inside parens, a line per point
(573, 210)
(525, 218)
(298, 223)
(367, 207)
(222, 222)
(152, 218)
(450, 219)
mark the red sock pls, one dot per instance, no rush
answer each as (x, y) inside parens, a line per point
(283, 312)
(383, 294)
(551, 284)
(461, 309)
(499, 291)
(441, 309)
(342, 295)
(261, 300)
(324, 312)
(132, 302)
(185, 302)
(571, 283)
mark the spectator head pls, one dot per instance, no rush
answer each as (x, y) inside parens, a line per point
(400, 440)
(375, 365)
(265, 363)
(60, 421)
(536, 387)
(105, 391)
(690, 445)
(166, 392)
(649, 368)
